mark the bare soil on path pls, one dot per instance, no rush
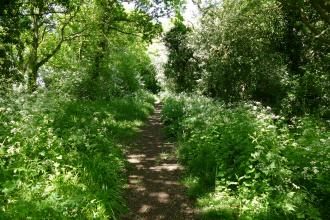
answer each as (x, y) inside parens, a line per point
(154, 190)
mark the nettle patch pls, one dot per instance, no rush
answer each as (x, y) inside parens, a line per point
(243, 161)
(61, 158)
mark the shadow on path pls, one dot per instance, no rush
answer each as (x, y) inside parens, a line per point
(154, 190)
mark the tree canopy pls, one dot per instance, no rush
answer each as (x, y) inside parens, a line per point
(276, 52)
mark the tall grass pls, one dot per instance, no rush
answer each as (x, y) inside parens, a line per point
(61, 158)
(245, 162)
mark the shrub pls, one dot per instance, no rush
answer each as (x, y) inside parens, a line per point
(172, 114)
(60, 158)
(249, 160)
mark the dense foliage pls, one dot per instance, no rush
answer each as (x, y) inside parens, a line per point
(272, 51)
(181, 69)
(60, 158)
(244, 159)
(85, 33)
(75, 79)
(245, 162)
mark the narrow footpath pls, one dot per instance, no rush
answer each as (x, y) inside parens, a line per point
(154, 190)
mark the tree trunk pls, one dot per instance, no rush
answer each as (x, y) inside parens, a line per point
(32, 77)
(293, 42)
(33, 68)
(100, 52)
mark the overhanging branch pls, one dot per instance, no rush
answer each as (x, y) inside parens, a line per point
(59, 44)
(124, 32)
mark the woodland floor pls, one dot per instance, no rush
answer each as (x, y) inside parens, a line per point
(154, 190)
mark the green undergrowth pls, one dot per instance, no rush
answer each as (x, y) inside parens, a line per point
(61, 158)
(245, 162)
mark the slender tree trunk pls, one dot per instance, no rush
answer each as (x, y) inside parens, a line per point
(33, 68)
(293, 41)
(32, 77)
(98, 58)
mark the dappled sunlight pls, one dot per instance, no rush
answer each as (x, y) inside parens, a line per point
(135, 158)
(162, 197)
(165, 166)
(135, 180)
(166, 182)
(154, 190)
(145, 208)
(132, 109)
(139, 166)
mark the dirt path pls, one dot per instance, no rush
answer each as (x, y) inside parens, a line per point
(154, 191)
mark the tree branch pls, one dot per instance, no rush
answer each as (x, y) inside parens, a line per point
(74, 36)
(315, 32)
(304, 19)
(124, 32)
(59, 44)
(43, 34)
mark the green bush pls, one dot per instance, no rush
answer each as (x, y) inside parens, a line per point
(309, 158)
(60, 158)
(172, 114)
(244, 162)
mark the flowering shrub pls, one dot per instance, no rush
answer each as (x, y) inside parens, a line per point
(60, 158)
(244, 162)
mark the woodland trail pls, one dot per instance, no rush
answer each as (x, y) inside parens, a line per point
(154, 190)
